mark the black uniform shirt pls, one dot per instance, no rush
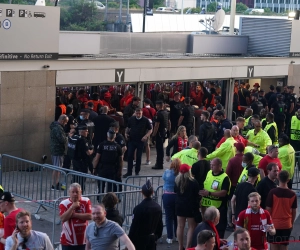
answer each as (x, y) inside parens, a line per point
(138, 128)
(188, 114)
(160, 117)
(110, 153)
(81, 147)
(120, 140)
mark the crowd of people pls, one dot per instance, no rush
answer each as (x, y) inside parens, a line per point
(224, 175)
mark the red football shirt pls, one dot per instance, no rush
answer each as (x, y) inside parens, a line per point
(238, 138)
(266, 160)
(258, 237)
(73, 230)
(10, 223)
(1, 227)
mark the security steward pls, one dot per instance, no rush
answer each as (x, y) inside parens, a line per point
(161, 127)
(108, 162)
(279, 109)
(271, 128)
(290, 103)
(256, 105)
(147, 226)
(187, 117)
(83, 151)
(295, 131)
(216, 188)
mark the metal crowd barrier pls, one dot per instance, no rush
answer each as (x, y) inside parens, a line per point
(32, 181)
(140, 180)
(296, 177)
(129, 199)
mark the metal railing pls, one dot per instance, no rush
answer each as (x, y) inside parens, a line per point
(140, 180)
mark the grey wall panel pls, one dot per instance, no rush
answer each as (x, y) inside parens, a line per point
(267, 37)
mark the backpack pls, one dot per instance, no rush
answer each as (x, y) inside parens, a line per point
(72, 146)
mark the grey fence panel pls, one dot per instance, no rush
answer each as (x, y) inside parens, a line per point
(296, 177)
(139, 180)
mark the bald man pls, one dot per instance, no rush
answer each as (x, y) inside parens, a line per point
(226, 151)
(259, 137)
(237, 137)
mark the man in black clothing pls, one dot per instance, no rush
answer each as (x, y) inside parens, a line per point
(137, 132)
(244, 95)
(279, 109)
(83, 119)
(206, 132)
(273, 97)
(256, 105)
(239, 201)
(102, 124)
(175, 111)
(93, 114)
(290, 102)
(83, 151)
(147, 225)
(270, 93)
(129, 110)
(187, 117)
(223, 124)
(108, 162)
(268, 183)
(200, 168)
(161, 126)
(262, 99)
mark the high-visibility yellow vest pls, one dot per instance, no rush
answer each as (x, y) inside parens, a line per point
(295, 128)
(269, 125)
(287, 158)
(244, 176)
(257, 157)
(261, 138)
(212, 184)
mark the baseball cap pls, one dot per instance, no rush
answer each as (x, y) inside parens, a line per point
(256, 85)
(7, 196)
(184, 168)
(253, 172)
(239, 146)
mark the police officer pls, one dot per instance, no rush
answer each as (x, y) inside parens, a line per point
(256, 105)
(82, 153)
(271, 128)
(161, 126)
(147, 225)
(279, 109)
(108, 161)
(295, 131)
(216, 188)
(187, 116)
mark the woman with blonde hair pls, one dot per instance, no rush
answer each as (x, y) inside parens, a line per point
(169, 198)
(178, 142)
(187, 204)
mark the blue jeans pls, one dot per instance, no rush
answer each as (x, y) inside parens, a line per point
(171, 218)
(132, 146)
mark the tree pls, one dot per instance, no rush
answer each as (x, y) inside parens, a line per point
(240, 7)
(158, 3)
(81, 16)
(212, 7)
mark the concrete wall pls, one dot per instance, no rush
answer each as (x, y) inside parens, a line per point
(294, 77)
(27, 106)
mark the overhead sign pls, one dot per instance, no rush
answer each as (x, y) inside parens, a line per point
(29, 32)
(250, 71)
(119, 75)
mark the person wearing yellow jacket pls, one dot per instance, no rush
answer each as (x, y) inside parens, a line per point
(255, 153)
(287, 157)
(260, 137)
(271, 128)
(188, 156)
(226, 151)
(247, 163)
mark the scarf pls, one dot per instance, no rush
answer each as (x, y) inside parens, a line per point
(182, 143)
(213, 227)
(247, 222)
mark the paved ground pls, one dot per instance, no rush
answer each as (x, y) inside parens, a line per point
(45, 223)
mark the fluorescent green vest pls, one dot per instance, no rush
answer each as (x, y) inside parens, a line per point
(295, 129)
(212, 184)
(244, 176)
(287, 158)
(269, 125)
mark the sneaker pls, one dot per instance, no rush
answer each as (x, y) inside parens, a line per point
(148, 163)
(134, 163)
(169, 241)
(126, 175)
(52, 187)
(59, 187)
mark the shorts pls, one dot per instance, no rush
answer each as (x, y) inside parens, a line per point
(282, 235)
(57, 160)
